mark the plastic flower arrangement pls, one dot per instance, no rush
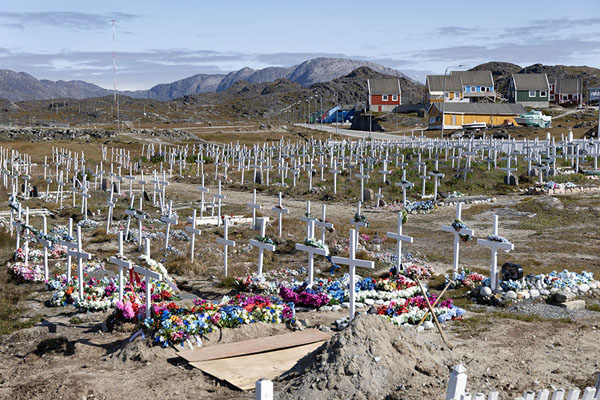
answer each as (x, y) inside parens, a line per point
(412, 310)
(423, 272)
(317, 244)
(254, 284)
(467, 278)
(458, 225)
(27, 273)
(265, 239)
(361, 219)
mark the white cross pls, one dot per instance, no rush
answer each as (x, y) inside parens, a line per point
(404, 184)
(379, 196)
(69, 245)
(352, 262)
(202, 190)
(508, 169)
(323, 223)
(399, 237)
(495, 246)
(130, 178)
(280, 211)
(424, 177)
(19, 225)
(168, 220)
(437, 176)
(261, 246)
(128, 265)
(194, 232)
(225, 242)
(80, 255)
(219, 196)
(111, 205)
(307, 217)
(384, 172)
(362, 176)
(335, 171)
(254, 206)
(47, 245)
(450, 229)
(358, 224)
(140, 217)
(148, 274)
(311, 251)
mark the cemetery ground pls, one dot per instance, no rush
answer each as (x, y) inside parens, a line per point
(59, 352)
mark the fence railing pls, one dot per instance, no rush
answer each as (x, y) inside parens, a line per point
(457, 390)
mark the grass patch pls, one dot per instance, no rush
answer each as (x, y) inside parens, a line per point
(592, 306)
(183, 265)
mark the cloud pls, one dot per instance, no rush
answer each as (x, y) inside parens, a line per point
(65, 19)
(455, 31)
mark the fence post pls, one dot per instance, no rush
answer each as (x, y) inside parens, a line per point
(264, 389)
(573, 394)
(598, 386)
(543, 394)
(558, 394)
(457, 383)
(589, 394)
(529, 395)
(493, 396)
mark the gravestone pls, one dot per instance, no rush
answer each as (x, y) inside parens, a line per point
(368, 195)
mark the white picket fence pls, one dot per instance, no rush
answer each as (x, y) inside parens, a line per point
(457, 390)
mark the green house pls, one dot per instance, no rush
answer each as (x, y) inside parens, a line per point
(529, 90)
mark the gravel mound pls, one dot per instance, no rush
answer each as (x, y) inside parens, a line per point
(370, 359)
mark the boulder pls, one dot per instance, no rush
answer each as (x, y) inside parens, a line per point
(511, 295)
(485, 291)
(368, 195)
(573, 305)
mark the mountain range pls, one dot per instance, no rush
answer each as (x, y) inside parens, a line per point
(20, 86)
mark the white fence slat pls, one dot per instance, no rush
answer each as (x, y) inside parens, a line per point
(479, 396)
(529, 395)
(598, 386)
(573, 394)
(493, 396)
(465, 396)
(558, 394)
(589, 393)
(543, 394)
(264, 389)
(457, 383)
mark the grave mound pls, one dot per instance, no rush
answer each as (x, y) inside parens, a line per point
(138, 350)
(370, 359)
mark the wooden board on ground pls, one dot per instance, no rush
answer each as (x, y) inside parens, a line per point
(254, 346)
(244, 371)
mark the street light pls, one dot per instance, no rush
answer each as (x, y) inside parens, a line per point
(444, 95)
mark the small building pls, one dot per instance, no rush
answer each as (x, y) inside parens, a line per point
(435, 88)
(384, 94)
(530, 90)
(458, 114)
(477, 86)
(566, 92)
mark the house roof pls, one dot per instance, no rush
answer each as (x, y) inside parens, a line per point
(481, 108)
(435, 83)
(477, 78)
(569, 86)
(530, 81)
(384, 86)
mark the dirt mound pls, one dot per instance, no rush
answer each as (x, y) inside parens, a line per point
(371, 359)
(137, 350)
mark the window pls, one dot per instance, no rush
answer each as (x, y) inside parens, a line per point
(565, 97)
(552, 97)
(472, 88)
(384, 97)
(543, 93)
(394, 97)
(532, 93)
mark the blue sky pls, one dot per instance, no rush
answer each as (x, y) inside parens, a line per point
(162, 41)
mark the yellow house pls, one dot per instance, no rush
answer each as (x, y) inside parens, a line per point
(457, 115)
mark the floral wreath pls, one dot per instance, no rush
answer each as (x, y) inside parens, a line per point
(458, 225)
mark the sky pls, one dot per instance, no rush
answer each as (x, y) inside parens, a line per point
(163, 41)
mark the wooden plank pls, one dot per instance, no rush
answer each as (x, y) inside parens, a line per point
(244, 371)
(254, 346)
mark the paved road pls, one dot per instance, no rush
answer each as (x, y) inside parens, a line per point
(358, 134)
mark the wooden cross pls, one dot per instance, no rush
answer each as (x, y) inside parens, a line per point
(280, 211)
(495, 246)
(404, 184)
(122, 264)
(140, 217)
(111, 205)
(254, 206)
(379, 196)
(508, 169)
(352, 262)
(225, 242)
(310, 250)
(130, 178)
(307, 217)
(358, 224)
(80, 255)
(384, 172)
(261, 246)
(194, 232)
(19, 225)
(399, 237)
(148, 274)
(457, 239)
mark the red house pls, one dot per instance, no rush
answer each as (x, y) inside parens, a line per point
(384, 94)
(566, 92)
